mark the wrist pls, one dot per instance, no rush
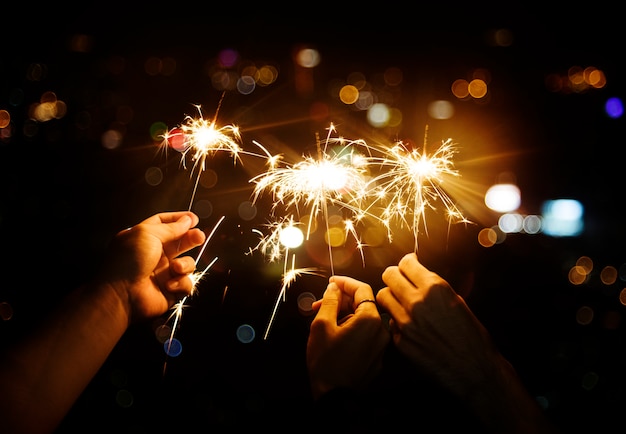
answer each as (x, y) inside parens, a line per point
(501, 401)
(113, 299)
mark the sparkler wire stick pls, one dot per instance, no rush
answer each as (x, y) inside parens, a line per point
(320, 157)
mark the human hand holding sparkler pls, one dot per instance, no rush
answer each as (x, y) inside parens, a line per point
(435, 329)
(143, 275)
(345, 351)
(144, 267)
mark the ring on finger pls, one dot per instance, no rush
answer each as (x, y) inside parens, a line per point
(367, 300)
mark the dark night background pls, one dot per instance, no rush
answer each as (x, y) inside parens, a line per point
(63, 195)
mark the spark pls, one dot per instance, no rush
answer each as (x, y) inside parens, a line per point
(196, 277)
(289, 276)
(201, 138)
(272, 246)
(275, 246)
(412, 182)
(332, 177)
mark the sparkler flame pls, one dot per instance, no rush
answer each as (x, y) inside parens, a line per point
(411, 182)
(333, 177)
(201, 138)
(316, 182)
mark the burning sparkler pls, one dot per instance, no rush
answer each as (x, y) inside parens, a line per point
(202, 138)
(411, 182)
(332, 177)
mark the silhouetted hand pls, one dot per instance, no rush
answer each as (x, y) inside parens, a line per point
(433, 326)
(346, 339)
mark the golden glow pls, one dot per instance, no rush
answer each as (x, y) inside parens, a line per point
(315, 182)
(412, 183)
(608, 275)
(308, 57)
(586, 263)
(487, 237)
(349, 94)
(5, 118)
(577, 79)
(577, 275)
(477, 88)
(460, 88)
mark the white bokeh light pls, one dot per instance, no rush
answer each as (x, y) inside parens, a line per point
(503, 197)
(291, 237)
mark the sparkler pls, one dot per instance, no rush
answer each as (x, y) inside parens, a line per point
(411, 182)
(202, 138)
(336, 177)
(390, 184)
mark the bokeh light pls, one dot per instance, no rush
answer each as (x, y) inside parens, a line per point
(173, 347)
(245, 333)
(562, 217)
(503, 197)
(614, 107)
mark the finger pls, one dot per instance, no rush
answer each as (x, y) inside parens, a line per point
(193, 238)
(412, 268)
(331, 304)
(183, 265)
(359, 292)
(170, 217)
(180, 285)
(394, 308)
(316, 305)
(176, 236)
(398, 284)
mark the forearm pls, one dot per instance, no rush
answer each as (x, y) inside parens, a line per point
(44, 375)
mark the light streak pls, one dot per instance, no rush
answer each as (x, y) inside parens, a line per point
(273, 247)
(196, 277)
(289, 276)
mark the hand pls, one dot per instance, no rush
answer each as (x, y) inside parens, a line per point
(432, 325)
(143, 265)
(345, 351)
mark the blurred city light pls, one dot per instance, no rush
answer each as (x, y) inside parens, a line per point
(562, 217)
(503, 197)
